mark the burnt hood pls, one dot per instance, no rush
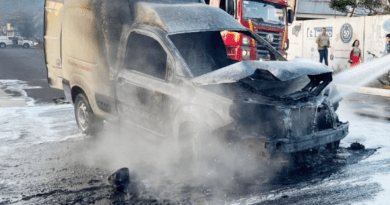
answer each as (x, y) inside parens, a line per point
(280, 70)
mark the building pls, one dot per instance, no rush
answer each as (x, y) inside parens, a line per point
(8, 30)
(319, 9)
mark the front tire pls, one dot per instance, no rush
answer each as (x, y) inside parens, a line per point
(2, 45)
(26, 45)
(192, 142)
(86, 120)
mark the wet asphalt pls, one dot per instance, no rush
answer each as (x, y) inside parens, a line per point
(28, 65)
(45, 160)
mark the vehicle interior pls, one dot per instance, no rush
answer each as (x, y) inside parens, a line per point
(204, 52)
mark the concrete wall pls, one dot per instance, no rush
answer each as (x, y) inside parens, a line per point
(370, 31)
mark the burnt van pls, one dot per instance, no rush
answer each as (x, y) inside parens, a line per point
(162, 66)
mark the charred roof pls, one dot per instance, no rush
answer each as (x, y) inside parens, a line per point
(185, 18)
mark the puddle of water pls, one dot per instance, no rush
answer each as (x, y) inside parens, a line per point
(13, 93)
(25, 126)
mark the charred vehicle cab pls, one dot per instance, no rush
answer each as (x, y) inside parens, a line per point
(164, 69)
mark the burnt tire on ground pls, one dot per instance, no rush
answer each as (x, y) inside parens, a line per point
(2, 45)
(86, 120)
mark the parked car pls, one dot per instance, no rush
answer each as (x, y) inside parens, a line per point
(8, 41)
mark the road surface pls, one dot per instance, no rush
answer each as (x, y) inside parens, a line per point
(45, 160)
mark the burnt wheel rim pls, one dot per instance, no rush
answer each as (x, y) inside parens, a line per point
(83, 116)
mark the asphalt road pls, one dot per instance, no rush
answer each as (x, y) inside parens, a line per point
(28, 65)
(45, 160)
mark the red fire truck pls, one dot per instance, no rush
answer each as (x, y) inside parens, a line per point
(268, 18)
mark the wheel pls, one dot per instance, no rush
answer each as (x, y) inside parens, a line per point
(191, 141)
(86, 120)
(26, 45)
(2, 45)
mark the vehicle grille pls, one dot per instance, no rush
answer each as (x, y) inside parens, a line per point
(307, 120)
(271, 122)
(277, 43)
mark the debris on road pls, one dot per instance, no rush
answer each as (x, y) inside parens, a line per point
(120, 179)
(357, 146)
(60, 101)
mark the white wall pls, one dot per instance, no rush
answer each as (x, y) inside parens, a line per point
(368, 30)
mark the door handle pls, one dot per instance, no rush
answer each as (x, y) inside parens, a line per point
(121, 81)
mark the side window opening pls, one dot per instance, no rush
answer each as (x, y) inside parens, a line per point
(144, 54)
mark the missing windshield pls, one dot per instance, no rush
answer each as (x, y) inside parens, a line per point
(203, 52)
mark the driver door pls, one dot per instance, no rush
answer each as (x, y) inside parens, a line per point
(143, 86)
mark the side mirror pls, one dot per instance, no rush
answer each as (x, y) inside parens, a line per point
(230, 7)
(290, 16)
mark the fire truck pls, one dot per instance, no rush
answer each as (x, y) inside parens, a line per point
(268, 18)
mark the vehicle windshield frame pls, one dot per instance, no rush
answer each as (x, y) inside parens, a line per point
(265, 3)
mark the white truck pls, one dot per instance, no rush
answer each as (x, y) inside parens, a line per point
(8, 41)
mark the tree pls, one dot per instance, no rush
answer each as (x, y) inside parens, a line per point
(374, 6)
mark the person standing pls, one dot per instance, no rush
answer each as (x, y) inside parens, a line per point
(323, 45)
(355, 57)
(14, 42)
(385, 78)
(387, 47)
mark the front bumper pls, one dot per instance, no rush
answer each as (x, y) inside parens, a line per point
(265, 146)
(307, 142)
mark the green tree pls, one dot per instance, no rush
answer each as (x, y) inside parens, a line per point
(374, 6)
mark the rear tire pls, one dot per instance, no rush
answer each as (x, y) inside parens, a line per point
(86, 120)
(2, 45)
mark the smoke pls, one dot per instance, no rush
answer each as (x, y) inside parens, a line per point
(24, 24)
(220, 168)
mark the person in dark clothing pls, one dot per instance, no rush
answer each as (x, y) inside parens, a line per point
(14, 42)
(385, 78)
(387, 47)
